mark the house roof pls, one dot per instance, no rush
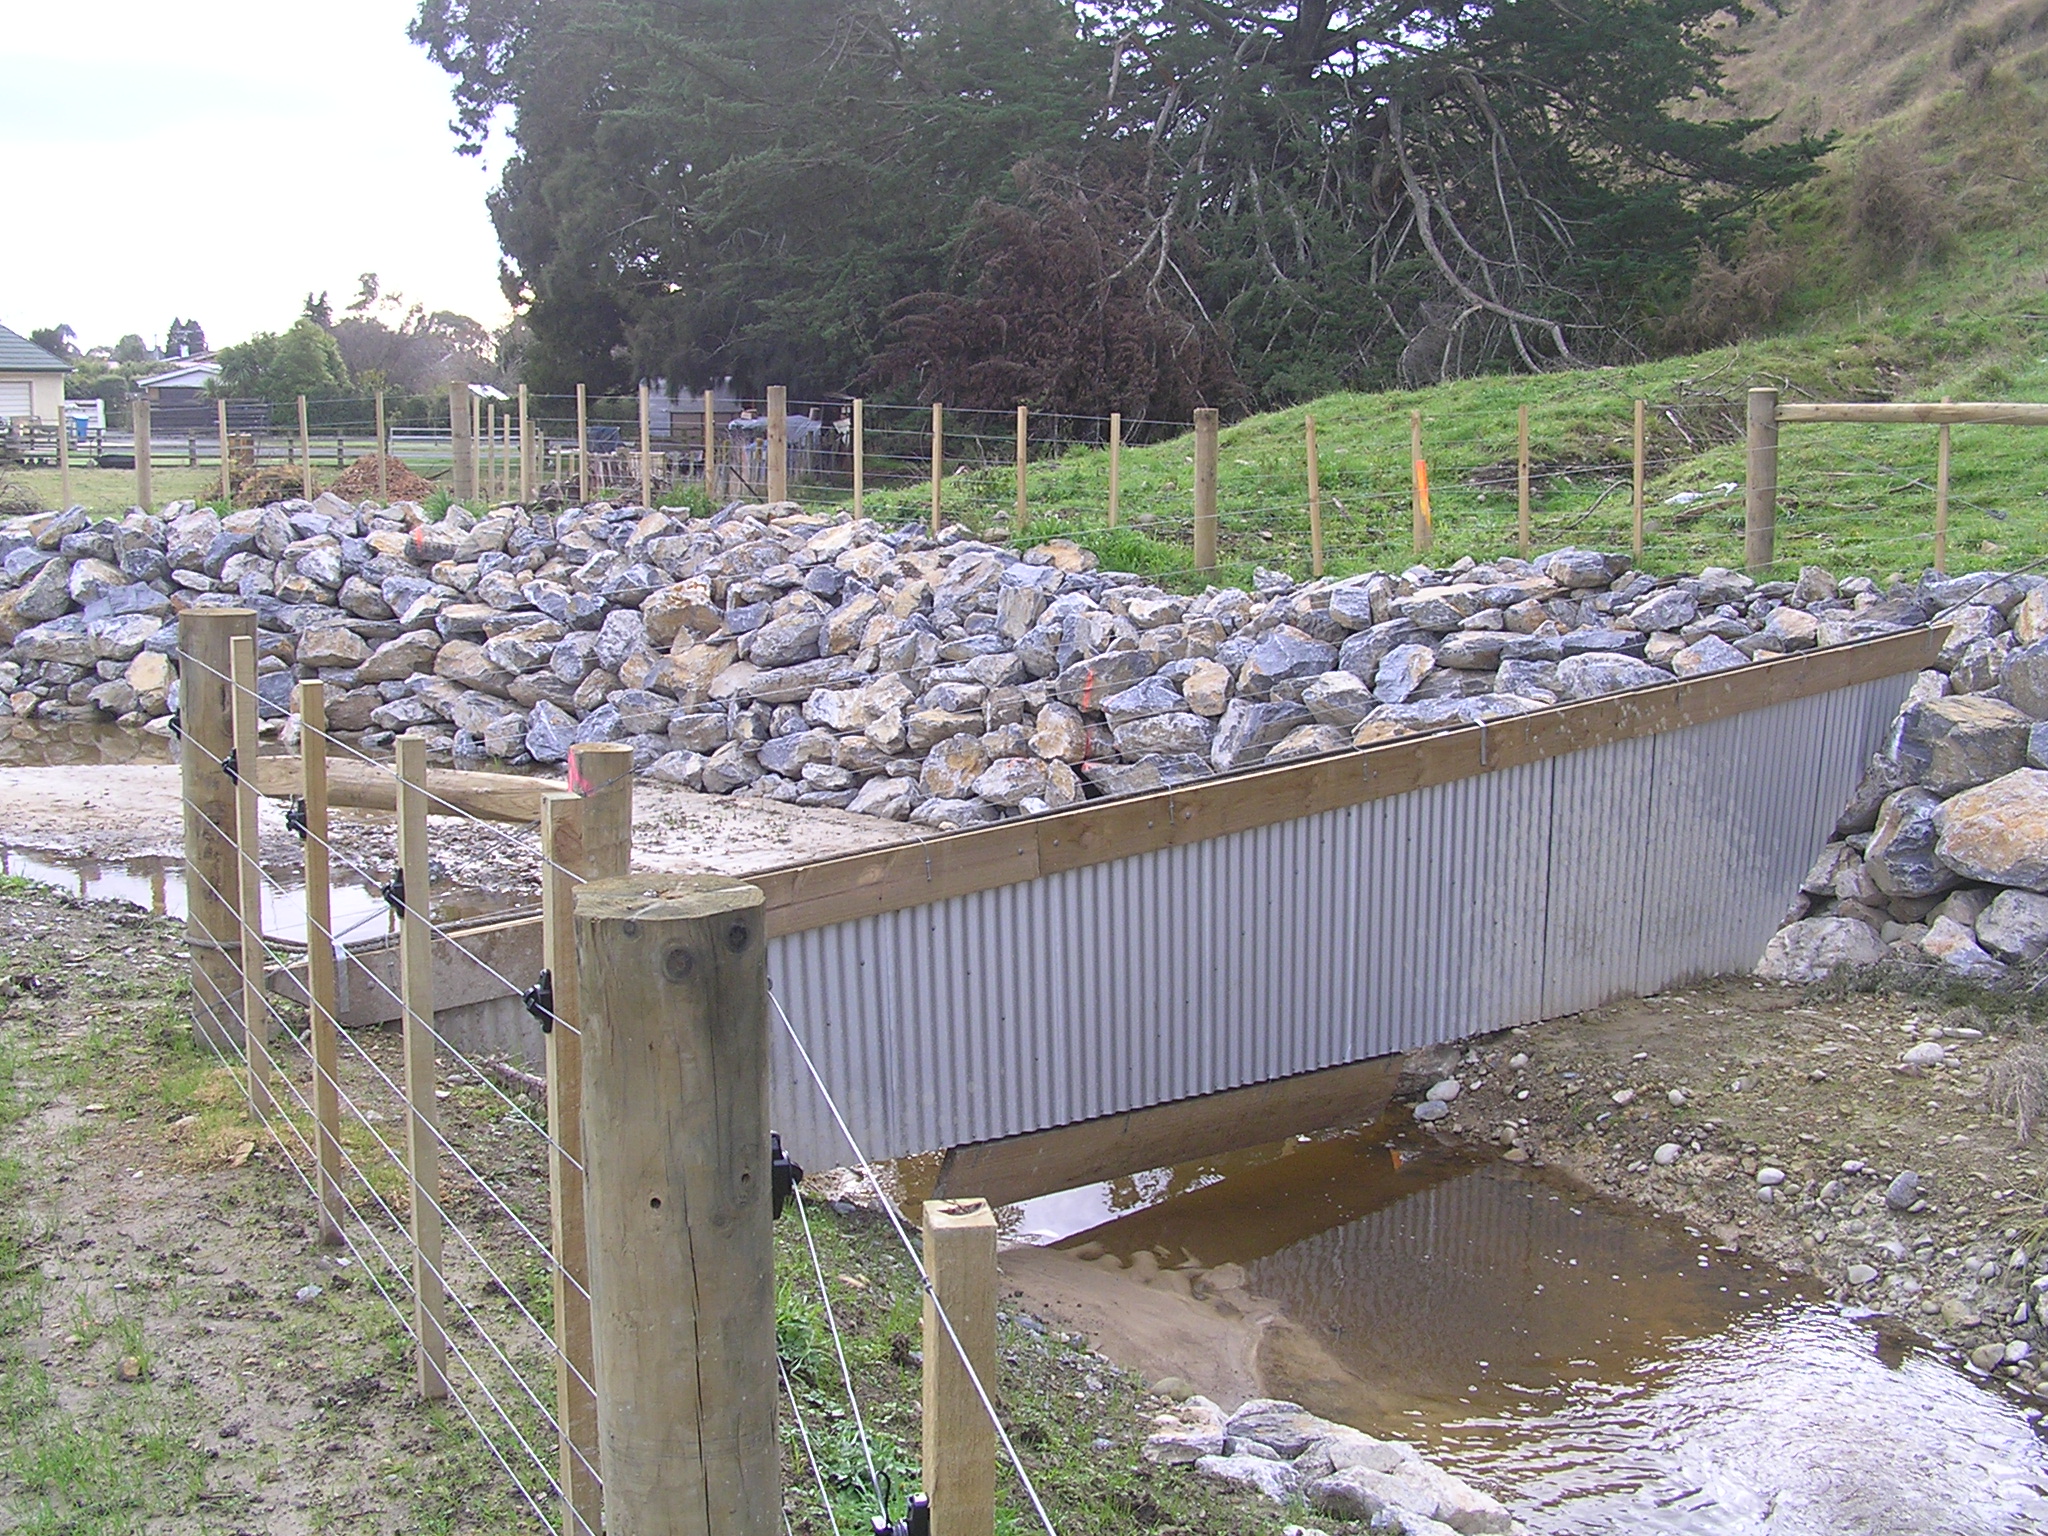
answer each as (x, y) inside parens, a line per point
(20, 355)
(190, 372)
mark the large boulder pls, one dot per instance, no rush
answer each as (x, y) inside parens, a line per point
(1815, 947)
(2026, 678)
(1250, 729)
(1594, 673)
(2015, 926)
(1901, 856)
(396, 660)
(1951, 744)
(1998, 832)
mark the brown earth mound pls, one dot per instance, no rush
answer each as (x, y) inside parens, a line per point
(359, 481)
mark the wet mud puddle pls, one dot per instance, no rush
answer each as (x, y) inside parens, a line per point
(1597, 1369)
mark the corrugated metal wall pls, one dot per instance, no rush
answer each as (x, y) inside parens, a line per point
(1516, 895)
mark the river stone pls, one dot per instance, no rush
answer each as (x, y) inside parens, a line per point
(1249, 730)
(1901, 856)
(332, 645)
(1954, 743)
(1998, 832)
(1401, 671)
(2015, 926)
(1815, 947)
(1595, 673)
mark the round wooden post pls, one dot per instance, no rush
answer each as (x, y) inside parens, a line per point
(1637, 502)
(959, 1439)
(138, 412)
(1760, 495)
(672, 972)
(525, 453)
(859, 452)
(1522, 477)
(383, 455)
(63, 454)
(1941, 497)
(582, 445)
(778, 443)
(1315, 498)
(585, 835)
(1116, 462)
(462, 470)
(1422, 532)
(938, 460)
(213, 924)
(305, 451)
(646, 454)
(711, 443)
(227, 479)
(1023, 458)
(1205, 489)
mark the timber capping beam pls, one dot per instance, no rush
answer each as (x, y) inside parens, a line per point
(1993, 413)
(904, 875)
(359, 786)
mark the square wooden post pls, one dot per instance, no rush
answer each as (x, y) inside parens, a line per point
(422, 1118)
(778, 443)
(462, 471)
(138, 412)
(959, 1437)
(1760, 495)
(1205, 489)
(582, 445)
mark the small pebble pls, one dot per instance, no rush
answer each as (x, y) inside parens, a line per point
(1519, 1060)
(2017, 1350)
(1854, 1165)
(1665, 1155)
(1860, 1274)
(1928, 1053)
(1769, 1177)
(1625, 1096)
(1677, 1098)
(1431, 1109)
(1904, 1191)
(306, 1293)
(1446, 1090)
(1988, 1357)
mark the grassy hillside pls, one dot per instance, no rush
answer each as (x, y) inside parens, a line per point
(1916, 267)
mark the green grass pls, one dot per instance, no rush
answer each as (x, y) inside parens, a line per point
(1966, 320)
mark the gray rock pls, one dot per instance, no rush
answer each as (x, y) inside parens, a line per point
(1401, 671)
(1478, 650)
(1153, 696)
(890, 798)
(550, 732)
(1339, 699)
(1590, 675)
(1901, 856)
(2015, 926)
(1287, 1427)
(1176, 731)
(1085, 684)
(1249, 730)
(1576, 568)
(1280, 655)
(790, 755)
(729, 768)
(1599, 639)
(1671, 609)
(792, 685)
(66, 641)
(2026, 678)
(46, 595)
(1903, 1191)
(1710, 653)
(396, 660)
(1397, 720)
(1951, 943)
(785, 641)
(622, 633)
(1882, 778)
(1998, 832)
(335, 645)
(1815, 947)
(684, 769)
(1950, 744)
(1277, 1480)
(952, 815)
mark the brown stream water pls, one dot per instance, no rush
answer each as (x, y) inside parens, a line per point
(1597, 1369)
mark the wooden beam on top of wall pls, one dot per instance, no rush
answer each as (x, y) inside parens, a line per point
(1042, 1162)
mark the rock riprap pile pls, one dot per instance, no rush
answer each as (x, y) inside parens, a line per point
(1285, 1452)
(831, 661)
(1941, 857)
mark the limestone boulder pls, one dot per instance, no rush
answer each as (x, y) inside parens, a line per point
(1998, 832)
(1814, 948)
(1950, 744)
(2014, 927)
(1901, 856)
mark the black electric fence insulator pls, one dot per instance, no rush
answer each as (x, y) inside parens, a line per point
(393, 892)
(177, 726)
(295, 818)
(916, 1521)
(783, 1174)
(227, 766)
(540, 1001)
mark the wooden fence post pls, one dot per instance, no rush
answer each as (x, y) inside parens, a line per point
(383, 455)
(213, 925)
(582, 445)
(1205, 489)
(584, 836)
(646, 452)
(1422, 532)
(477, 445)
(1636, 502)
(711, 444)
(1760, 495)
(1315, 498)
(778, 443)
(1023, 458)
(64, 454)
(487, 448)
(320, 987)
(1116, 462)
(227, 479)
(525, 453)
(1522, 477)
(422, 1118)
(305, 451)
(462, 471)
(859, 452)
(256, 1017)
(938, 459)
(1941, 498)
(959, 1438)
(138, 414)
(673, 975)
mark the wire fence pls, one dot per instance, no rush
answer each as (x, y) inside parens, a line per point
(403, 1142)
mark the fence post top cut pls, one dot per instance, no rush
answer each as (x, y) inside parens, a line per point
(664, 897)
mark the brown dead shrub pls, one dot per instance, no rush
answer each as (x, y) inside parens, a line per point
(1731, 301)
(1899, 213)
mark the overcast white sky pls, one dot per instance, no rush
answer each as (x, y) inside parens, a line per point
(219, 159)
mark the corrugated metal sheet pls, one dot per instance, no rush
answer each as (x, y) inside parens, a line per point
(1541, 889)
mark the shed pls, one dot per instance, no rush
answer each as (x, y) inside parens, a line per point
(31, 380)
(179, 398)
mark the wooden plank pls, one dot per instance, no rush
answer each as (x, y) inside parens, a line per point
(359, 786)
(674, 981)
(584, 836)
(422, 1145)
(890, 879)
(1042, 1162)
(959, 1467)
(138, 413)
(320, 979)
(1990, 413)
